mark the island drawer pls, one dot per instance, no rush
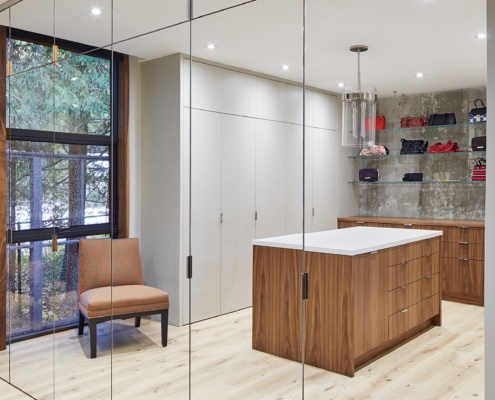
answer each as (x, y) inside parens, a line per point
(412, 316)
(411, 251)
(413, 293)
(411, 271)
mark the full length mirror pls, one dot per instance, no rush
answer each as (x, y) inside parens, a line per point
(275, 68)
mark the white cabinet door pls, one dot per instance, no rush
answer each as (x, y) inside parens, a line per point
(326, 143)
(238, 93)
(238, 208)
(294, 181)
(325, 111)
(294, 105)
(206, 86)
(205, 218)
(270, 99)
(270, 178)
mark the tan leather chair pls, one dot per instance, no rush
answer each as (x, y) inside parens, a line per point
(111, 286)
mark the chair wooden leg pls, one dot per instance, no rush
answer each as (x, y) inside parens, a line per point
(137, 322)
(164, 327)
(81, 323)
(92, 337)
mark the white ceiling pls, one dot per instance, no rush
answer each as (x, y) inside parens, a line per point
(436, 37)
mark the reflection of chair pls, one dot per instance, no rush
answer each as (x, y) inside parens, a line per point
(106, 261)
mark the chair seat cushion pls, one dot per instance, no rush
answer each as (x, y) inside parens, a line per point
(119, 300)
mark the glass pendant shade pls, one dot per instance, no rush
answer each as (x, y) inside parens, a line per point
(358, 116)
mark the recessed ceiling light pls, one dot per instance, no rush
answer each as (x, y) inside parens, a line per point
(419, 75)
(481, 36)
(211, 46)
(341, 84)
(95, 11)
(285, 67)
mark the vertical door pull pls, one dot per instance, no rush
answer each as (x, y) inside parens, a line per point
(313, 211)
(54, 243)
(189, 267)
(221, 218)
(304, 279)
(256, 215)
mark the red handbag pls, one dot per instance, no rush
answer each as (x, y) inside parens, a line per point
(479, 170)
(449, 147)
(414, 122)
(381, 121)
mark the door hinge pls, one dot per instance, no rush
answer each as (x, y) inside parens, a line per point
(304, 279)
(189, 267)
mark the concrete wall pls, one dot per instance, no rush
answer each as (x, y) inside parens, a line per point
(444, 200)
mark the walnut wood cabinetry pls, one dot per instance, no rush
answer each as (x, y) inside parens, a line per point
(462, 254)
(359, 307)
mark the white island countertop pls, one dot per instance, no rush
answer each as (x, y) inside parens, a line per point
(349, 241)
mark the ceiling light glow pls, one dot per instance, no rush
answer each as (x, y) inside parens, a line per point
(211, 46)
(95, 11)
(341, 84)
(419, 75)
(481, 35)
(285, 67)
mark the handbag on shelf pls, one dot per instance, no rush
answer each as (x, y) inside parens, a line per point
(442, 119)
(477, 114)
(478, 143)
(479, 170)
(413, 146)
(373, 151)
(449, 147)
(381, 121)
(413, 122)
(413, 177)
(368, 175)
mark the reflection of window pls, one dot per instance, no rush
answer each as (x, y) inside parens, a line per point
(61, 157)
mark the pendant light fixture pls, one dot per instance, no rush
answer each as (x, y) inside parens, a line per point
(358, 110)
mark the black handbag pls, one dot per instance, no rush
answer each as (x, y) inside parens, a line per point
(442, 119)
(413, 146)
(368, 175)
(413, 177)
(477, 114)
(478, 143)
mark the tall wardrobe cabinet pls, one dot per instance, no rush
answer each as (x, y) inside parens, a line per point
(246, 177)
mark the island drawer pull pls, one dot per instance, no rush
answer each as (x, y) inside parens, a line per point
(428, 277)
(403, 287)
(403, 263)
(429, 255)
(463, 259)
(408, 224)
(404, 310)
(430, 298)
(463, 242)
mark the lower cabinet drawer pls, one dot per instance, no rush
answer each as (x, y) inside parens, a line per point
(472, 251)
(463, 234)
(402, 321)
(398, 299)
(411, 271)
(424, 288)
(412, 316)
(463, 276)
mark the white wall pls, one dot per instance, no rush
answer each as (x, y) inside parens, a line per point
(135, 164)
(490, 214)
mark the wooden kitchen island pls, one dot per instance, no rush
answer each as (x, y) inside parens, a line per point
(369, 291)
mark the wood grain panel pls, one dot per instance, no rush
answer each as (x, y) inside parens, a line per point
(346, 224)
(473, 251)
(464, 277)
(417, 221)
(397, 276)
(329, 341)
(464, 298)
(370, 296)
(464, 233)
(3, 193)
(402, 321)
(418, 268)
(406, 252)
(398, 299)
(424, 288)
(428, 308)
(277, 301)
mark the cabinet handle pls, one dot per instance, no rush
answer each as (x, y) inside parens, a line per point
(463, 242)
(428, 277)
(374, 252)
(403, 287)
(360, 222)
(429, 255)
(408, 225)
(404, 310)
(313, 211)
(429, 298)
(403, 263)
(221, 218)
(464, 227)
(463, 259)
(256, 215)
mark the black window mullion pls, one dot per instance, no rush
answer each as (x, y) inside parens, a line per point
(31, 135)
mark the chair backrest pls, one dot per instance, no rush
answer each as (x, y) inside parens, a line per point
(103, 262)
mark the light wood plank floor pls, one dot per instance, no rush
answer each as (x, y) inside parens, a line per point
(444, 363)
